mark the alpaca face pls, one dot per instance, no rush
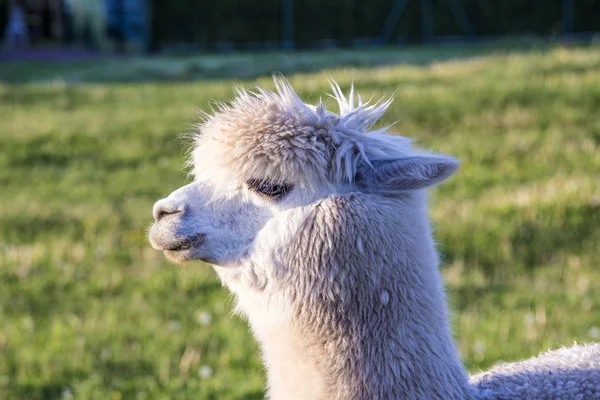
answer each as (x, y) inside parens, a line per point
(219, 223)
(261, 162)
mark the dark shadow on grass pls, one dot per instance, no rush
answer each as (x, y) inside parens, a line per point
(532, 243)
(42, 391)
(115, 370)
(255, 395)
(247, 66)
(466, 295)
(31, 228)
(61, 152)
(535, 243)
(36, 389)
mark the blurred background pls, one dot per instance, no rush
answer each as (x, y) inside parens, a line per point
(187, 25)
(95, 96)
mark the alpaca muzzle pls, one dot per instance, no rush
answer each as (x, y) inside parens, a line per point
(162, 239)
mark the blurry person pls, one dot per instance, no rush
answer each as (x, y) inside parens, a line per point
(16, 34)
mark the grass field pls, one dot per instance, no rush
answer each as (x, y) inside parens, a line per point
(89, 311)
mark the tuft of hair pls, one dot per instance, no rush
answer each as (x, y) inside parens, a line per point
(344, 143)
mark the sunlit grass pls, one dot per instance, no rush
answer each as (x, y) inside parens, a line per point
(88, 309)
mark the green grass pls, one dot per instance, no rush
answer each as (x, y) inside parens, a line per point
(88, 310)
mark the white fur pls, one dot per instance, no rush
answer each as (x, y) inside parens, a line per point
(339, 278)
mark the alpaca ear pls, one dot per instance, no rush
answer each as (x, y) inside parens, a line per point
(408, 173)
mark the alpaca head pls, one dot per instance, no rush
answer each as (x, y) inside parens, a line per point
(259, 159)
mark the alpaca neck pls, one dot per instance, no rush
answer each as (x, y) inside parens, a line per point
(360, 317)
(407, 360)
(411, 356)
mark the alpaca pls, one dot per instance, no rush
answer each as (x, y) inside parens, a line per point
(318, 224)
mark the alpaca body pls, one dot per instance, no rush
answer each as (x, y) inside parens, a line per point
(320, 228)
(567, 373)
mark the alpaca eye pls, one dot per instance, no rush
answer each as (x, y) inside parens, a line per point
(273, 191)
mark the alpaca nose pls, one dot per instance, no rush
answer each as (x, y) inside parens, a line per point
(164, 208)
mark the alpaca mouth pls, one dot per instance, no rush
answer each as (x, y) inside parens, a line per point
(186, 243)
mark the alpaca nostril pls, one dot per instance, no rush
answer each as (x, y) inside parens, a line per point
(163, 213)
(163, 210)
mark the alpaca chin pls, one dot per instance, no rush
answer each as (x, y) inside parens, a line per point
(177, 257)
